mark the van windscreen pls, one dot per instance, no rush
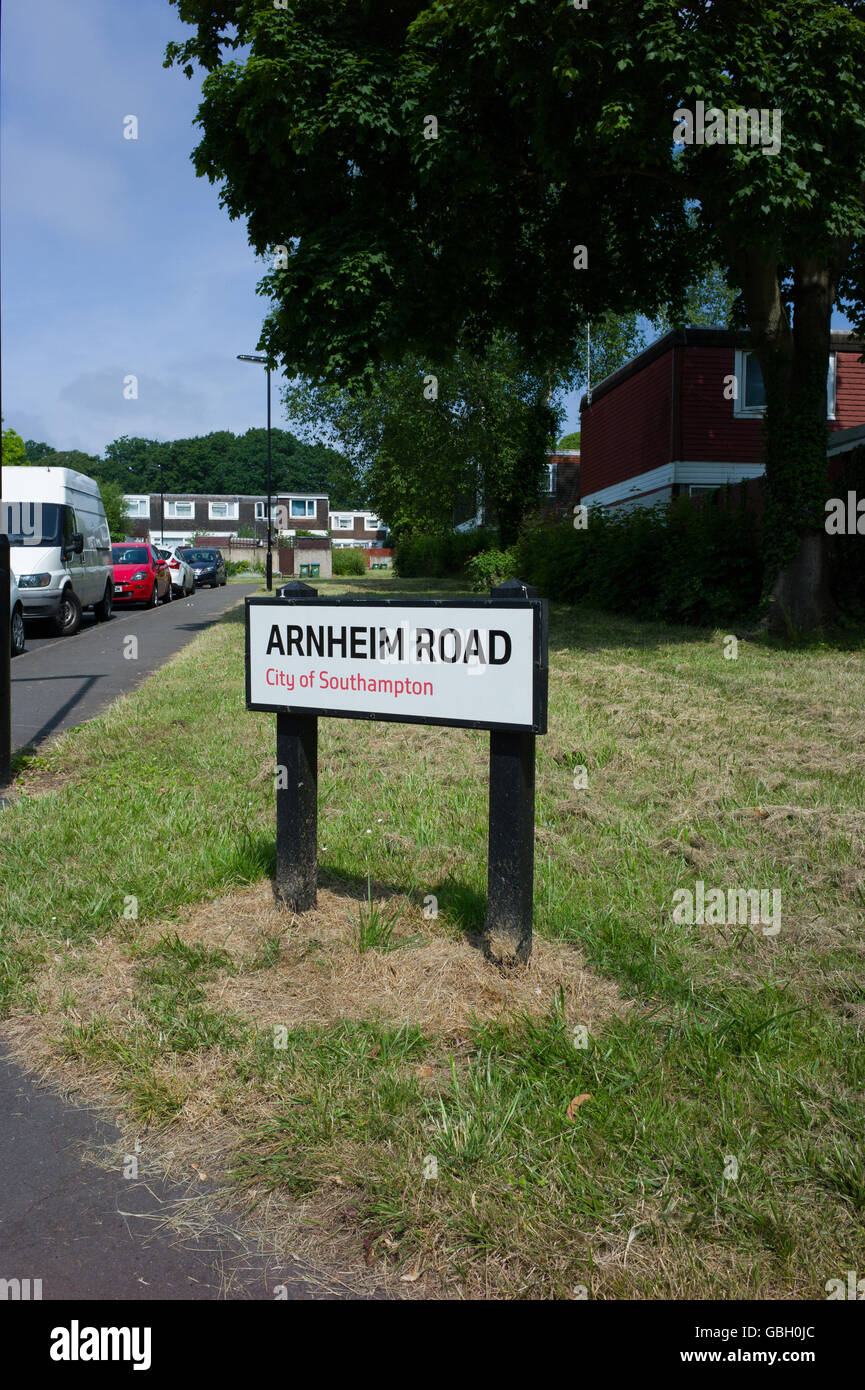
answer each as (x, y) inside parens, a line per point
(32, 523)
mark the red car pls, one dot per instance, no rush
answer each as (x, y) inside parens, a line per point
(139, 574)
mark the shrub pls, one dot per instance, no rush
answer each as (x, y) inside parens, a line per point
(347, 560)
(437, 554)
(681, 561)
(492, 567)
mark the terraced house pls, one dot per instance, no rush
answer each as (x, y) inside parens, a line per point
(685, 415)
(182, 515)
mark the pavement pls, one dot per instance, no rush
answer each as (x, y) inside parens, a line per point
(87, 1232)
(59, 682)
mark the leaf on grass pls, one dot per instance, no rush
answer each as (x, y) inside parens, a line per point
(575, 1104)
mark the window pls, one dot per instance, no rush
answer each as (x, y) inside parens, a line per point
(180, 509)
(223, 511)
(137, 506)
(261, 511)
(344, 523)
(550, 488)
(372, 523)
(301, 507)
(751, 399)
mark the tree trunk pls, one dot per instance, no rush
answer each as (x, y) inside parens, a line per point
(794, 361)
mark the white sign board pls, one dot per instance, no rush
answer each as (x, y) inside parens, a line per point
(480, 664)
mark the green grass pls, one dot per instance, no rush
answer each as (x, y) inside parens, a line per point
(740, 1053)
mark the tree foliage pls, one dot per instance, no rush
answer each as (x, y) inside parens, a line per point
(222, 462)
(431, 168)
(13, 449)
(429, 449)
(116, 512)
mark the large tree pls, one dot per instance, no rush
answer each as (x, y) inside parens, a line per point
(428, 173)
(226, 462)
(428, 448)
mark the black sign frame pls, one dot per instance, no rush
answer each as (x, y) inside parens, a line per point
(540, 670)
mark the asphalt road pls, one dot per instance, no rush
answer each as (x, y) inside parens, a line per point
(87, 1232)
(58, 682)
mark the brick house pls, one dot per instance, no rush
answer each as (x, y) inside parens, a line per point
(189, 514)
(685, 415)
(358, 529)
(563, 482)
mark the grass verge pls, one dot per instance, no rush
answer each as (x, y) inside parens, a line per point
(654, 1110)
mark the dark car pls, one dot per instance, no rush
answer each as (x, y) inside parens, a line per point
(208, 566)
(140, 575)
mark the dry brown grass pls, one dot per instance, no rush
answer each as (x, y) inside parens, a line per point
(443, 984)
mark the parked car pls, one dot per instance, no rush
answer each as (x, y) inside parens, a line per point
(140, 575)
(182, 574)
(208, 565)
(16, 617)
(60, 542)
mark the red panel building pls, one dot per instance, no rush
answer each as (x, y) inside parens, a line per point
(685, 415)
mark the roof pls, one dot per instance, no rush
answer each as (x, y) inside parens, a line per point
(845, 440)
(696, 337)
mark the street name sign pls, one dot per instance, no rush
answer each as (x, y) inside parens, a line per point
(478, 663)
(467, 663)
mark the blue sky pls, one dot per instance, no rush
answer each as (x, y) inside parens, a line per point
(116, 259)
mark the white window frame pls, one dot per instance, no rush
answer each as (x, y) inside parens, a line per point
(230, 513)
(137, 505)
(307, 503)
(756, 412)
(261, 511)
(172, 512)
(552, 479)
(372, 523)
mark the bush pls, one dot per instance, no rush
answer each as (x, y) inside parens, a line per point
(680, 562)
(347, 560)
(436, 555)
(492, 567)
(238, 567)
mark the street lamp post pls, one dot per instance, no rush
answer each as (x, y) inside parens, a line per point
(251, 357)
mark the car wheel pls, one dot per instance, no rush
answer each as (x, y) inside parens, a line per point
(176, 591)
(103, 609)
(154, 595)
(68, 619)
(17, 626)
(169, 595)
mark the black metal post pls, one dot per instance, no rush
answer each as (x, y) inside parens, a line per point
(161, 504)
(297, 799)
(5, 669)
(269, 488)
(511, 864)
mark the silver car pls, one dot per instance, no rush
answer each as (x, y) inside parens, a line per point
(16, 617)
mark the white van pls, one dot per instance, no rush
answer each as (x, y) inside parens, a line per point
(61, 545)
